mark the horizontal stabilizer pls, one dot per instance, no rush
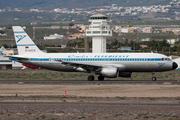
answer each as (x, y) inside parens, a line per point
(17, 58)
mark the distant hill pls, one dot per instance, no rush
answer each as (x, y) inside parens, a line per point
(50, 4)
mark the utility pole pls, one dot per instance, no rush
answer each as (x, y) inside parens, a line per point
(86, 44)
(33, 32)
(67, 32)
(134, 46)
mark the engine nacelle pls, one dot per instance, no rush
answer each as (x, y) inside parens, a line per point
(110, 72)
(125, 74)
(80, 69)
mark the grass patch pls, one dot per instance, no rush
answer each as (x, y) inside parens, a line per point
(81, 116)
(122, 98)
(1, 113)
(146, 117)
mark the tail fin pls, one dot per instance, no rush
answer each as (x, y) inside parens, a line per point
(24, 43)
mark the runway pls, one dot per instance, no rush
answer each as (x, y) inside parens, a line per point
(87, 110)
(93, 103)
(91, 82)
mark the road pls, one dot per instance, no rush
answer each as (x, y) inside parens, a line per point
(89, 82)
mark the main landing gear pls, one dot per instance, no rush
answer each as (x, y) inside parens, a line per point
(100, 78)
(91, 78)
(153, 76)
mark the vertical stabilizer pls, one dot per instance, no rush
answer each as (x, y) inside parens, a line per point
(24, 43)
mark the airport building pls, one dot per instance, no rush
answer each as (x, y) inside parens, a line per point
(99, 30)
(5, 63)
(55, 36)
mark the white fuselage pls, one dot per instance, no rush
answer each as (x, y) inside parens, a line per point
(126, 62)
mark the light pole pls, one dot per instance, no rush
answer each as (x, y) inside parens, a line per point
(134, 45)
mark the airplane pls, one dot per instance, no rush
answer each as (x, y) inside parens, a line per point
(106, 65)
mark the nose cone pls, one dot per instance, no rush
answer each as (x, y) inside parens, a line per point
(174, 65)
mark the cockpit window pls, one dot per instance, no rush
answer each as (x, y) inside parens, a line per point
(166, 59)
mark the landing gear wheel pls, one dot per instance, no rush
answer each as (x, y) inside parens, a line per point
(100, 78)
(153, 78)
(90, 78)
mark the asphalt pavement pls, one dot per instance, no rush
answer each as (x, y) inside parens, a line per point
(95, 81)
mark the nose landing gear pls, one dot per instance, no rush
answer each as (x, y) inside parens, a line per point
(153, 76)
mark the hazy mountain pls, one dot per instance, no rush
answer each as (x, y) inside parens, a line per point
(50, 4)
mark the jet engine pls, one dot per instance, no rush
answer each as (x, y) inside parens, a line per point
(110, 72)
(125, 74)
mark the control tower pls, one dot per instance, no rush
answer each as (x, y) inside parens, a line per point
(99, 30)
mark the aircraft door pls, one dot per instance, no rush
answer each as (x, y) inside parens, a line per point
(152, 61)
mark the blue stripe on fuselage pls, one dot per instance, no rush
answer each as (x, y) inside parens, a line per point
(97, 59)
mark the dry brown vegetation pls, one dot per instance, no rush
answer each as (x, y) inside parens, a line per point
(56, 75)
(95, 90)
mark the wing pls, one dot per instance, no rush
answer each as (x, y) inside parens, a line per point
(85, 66)
(92, 67)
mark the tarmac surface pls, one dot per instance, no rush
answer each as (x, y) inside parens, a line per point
(88, 111)
(43, 99)
(96, 81)
(92, 103)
